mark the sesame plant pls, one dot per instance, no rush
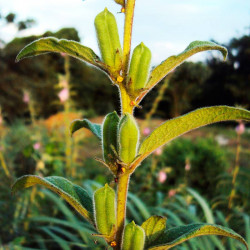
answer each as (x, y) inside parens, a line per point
(122, 149)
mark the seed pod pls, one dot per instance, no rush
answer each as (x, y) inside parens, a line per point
(134, 237)
(128, 138)
(107, 36)
(109, 137)
(121, 2)
(139, 67)
(105, 209)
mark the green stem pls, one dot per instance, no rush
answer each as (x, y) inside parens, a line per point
(125, 101)
(122, 190)
(129, 15)
(235, 173)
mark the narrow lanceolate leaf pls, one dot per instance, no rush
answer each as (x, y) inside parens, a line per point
(172, 62)
(183, 124)
(96, 129)
(154, 227)
(76, 196)
(71, 48)
(175, 236)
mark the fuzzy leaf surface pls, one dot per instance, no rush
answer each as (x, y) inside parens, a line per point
(172, 62)
(177, 235)
(183, 124)
(96, 129)
(154, 227)
(71, 48)
(75, 195)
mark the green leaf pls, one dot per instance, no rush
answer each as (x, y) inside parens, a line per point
(96, 129)
(172, 62)
(76, 196)
(154, 227)
(177, 235)
(183, 124)
(71, 48)
(204, 205)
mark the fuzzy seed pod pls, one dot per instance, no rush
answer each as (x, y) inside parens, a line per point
(134, 237)
(108, 38)
(128, 138)
(121, 2)
(139, 67)
(109, 137)
(105, 209)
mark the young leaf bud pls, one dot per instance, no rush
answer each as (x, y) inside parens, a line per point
(139, 67)
(105, 209)
(134, 237)
(108, 37)
(109, 137)
(128, 138)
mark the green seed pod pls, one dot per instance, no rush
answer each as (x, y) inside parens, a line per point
(139, 67)
(109, 137)
(105, 209)
(128, 138)
(133, 238)
(121, 2)
(108, 36)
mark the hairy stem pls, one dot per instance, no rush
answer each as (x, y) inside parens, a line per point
(129, 15)
(122, 190)
(125, 101)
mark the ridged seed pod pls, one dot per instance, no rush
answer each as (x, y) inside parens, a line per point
(109, 137)
(134, 237)
(139, 67)
(105, 209)
(108, 37)
(128, 138)
(121, 2)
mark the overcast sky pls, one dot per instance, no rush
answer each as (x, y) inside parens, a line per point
(165, 26)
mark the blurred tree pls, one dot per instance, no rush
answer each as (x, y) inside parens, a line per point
(229, 81)
(185, 85)
(39, 75)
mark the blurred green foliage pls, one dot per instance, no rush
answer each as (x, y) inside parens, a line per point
(191, 86)
(89, 87)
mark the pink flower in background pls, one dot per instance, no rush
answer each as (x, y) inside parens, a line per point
(240, 129)
(63, 54)
(37, 145)
(171, 193)
(1, 119)
(146, 131)
(188, 166)
(1, 148)
(26, 97)
(63, 95)
(158, 151)
(162, 176)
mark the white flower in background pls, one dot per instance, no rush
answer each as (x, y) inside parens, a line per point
(37, 145)
(162, 176)
(171, 193)
(240, 128)
(26, 97)
(187, 166)
(63, 95)
(158, 151)
(146, 131)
